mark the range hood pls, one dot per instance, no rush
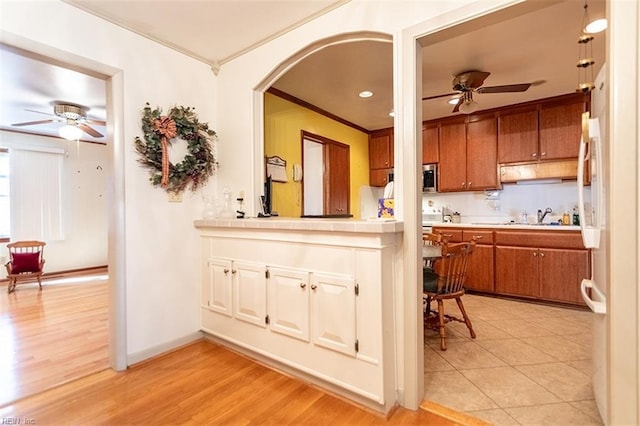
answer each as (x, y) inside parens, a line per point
(539, 171)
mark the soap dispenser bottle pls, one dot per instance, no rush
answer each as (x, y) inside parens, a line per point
(565, 218)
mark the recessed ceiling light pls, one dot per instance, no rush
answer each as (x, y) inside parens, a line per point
(365, 94)
(596, 26)
(453, 101)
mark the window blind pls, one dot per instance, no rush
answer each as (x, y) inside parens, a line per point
(36, 194)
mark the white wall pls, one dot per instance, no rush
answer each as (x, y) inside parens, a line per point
(85, 202)
(160, 245)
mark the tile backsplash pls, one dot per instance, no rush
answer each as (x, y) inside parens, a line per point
(511, 202)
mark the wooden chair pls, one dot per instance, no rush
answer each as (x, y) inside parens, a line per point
(446, 281)
(26, 262)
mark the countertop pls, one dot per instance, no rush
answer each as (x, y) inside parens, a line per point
(506, 226)
(374, 226)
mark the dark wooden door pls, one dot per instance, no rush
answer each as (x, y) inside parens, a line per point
(430, 151)
(560, 130)
(381, 149)
(561, 272)
(517, 271)
(518, 137)
(336, 179)
(482, 163)
(453, 157)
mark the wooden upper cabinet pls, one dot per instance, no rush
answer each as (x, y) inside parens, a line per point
(518, 136)
(381, 149)
(430, 150)
(336, 195)
(482, 164)
(453, 157)
(560, 129)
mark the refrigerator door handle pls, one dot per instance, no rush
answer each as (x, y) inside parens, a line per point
(598, 307)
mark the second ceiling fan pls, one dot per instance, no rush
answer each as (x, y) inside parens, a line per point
(73, 115)
(468, 82)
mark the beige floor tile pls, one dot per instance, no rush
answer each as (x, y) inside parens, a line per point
(584, 339)
(560, 348)
(551, 414)
(453, 390)
(588, 407)
(564, 381)
(562, 326)
(497, 417)
(583, 365)
(516, 352)
(508, 387)
(433, 361)
(466, 355)
(523, 328)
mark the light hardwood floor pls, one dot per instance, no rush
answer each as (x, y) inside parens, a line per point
(51, 336)
(58, 337)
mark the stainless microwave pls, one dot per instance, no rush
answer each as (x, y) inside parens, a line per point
(429, 177)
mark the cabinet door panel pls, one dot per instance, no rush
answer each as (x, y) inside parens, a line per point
(217, 289)
(518, 137)
(517, 271)
(379, 177)
(430, 151)
(250, 292)
(381, 150)
(482, 162)
(289, 302)
(453, 157)
(337, 176)
(333, 307)
(560, 129)
(480, 275)
(561, 272)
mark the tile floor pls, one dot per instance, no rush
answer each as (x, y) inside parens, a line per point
(529, 364)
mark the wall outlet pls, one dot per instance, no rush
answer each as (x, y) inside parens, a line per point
(175, 197)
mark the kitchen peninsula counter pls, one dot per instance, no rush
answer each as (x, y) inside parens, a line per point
(506, 226)
(311, 297)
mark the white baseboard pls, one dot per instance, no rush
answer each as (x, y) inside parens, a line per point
(137, 357)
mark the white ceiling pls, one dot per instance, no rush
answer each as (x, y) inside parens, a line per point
(540, 45)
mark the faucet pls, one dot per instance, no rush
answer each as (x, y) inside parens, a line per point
(542, 215)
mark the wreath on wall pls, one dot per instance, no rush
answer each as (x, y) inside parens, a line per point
(160, 132)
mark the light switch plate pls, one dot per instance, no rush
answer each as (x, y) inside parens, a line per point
(175, 197)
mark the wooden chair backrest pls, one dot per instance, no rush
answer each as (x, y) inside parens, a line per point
(27, 247)
(452, 267)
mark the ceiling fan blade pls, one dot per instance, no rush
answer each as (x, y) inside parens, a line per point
(39, 112)
(440, 96)
(90, 130)
(31, 123)
(505, 89)
(95, 122)
(475, 78)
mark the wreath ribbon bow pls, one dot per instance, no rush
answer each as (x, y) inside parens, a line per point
(166, 127)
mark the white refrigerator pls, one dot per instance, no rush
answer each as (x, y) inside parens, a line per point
(593, 223)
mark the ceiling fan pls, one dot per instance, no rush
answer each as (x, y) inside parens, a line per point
(75, 117)
(468, 82)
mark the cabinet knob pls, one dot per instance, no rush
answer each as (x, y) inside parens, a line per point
(313, 286)
(233, 271)
(463, 184)
(226, 271)
(542, 154)
(541, 254)
(468, 184)
(534, 155)
(303, 285)
(535, 253)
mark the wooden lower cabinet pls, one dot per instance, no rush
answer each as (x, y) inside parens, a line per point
(542, 273)
(542, 265)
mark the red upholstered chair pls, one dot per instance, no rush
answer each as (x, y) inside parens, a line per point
(26, 262)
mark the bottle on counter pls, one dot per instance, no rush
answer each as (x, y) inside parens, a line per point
(565, 218)
(525, 218)
(576, 217)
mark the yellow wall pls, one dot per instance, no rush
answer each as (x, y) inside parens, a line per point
(283, 123)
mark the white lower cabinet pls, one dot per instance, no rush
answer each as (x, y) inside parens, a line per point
(313, 306)
(250, 292)
(308, 306)
(289, 302)
(333, 312)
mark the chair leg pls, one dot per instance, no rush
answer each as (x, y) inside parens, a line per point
(11, 286)
(467, 321)
(39, 283)
(443, 333)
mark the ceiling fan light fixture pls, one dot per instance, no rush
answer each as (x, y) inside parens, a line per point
(596, 26)
(70, 132)
(469, 107)
(454, 100)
